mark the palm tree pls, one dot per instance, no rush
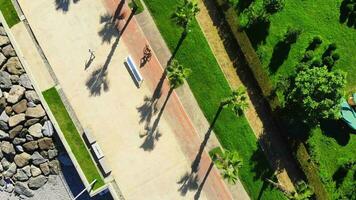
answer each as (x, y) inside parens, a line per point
(176, 74)
(237, 101)
(303, 192)
(183, 16)
(228, 162)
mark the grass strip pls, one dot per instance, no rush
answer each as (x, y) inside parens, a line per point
(9, 12)
(72, 137)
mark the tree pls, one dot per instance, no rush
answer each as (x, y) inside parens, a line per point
(176, 74)
(237, 101)
(273, 6)
(183, 16)
(228, 162)
(292, 35)
(316, 93)
(185, 13)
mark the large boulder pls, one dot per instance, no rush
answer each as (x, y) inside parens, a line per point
(14, 66)
(35, 112)
(36, 130)
(5, 163)
(30, 146)
(10, 171)
(45, 143)
(3, 135)
(16, 119)
(54, 166)
(27, 170)
(21, 175)
(2, 31)
(15, 94)
(25, 81)
(32, 96)
(4, 40)
(37, 158)
(45, 168)
(8, 51)
(35, 171)
(4, 117)
(4, 126)
(31, 122)
(2, 59)
(14, 79)
(14, 132)
(37, 182)
(20, 107)
(22, 159)
(18, 140)
(21, 189)
(5, 81)
(52, 153)
(47, 129)
(7, 148)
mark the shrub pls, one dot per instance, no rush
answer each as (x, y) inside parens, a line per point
(317, 40)
(328, 61)
(335, 56)
(317, 63)
(273, 6)
(308, 55)
(332, 47)
(292, 35)
(136, 4)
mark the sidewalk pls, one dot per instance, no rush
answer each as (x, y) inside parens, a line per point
(112, 107)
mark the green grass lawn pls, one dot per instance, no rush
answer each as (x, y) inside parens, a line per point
(9, 12)
(209, 87)
(317, 17)
(73, 137)
(330, 148)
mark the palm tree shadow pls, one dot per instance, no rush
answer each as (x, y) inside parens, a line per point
(98, 82)
(109, 29)
(62, 5)
(188, 182)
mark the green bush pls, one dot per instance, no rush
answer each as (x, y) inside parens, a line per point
(309, 55)
(317, 40)
(292, 35)
(335, 56)
(332, 47)
(136, 4)
(328, 61)
(273, 6)
(317, 63)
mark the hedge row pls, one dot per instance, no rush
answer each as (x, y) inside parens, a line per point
(248, 51)
(310, 171)
(266, 87)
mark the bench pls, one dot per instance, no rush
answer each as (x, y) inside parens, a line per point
(97, 151)
(134, 71)
(89, 137)
(104, 167)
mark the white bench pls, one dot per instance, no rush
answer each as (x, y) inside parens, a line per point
(90, 138)
(134, 71)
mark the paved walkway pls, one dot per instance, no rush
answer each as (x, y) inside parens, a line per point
(105, 99)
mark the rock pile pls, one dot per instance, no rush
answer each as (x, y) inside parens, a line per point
(27, 151)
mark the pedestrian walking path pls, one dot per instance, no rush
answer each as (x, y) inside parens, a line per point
(150, 153)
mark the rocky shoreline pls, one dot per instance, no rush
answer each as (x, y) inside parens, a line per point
(28, 155)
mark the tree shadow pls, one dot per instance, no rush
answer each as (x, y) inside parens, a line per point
(179, 44)
(339, 175)
(201, 185)
(258, 32)
(344, 13)
(98, 82)
(188, 182)
(196, 162)
(279, 55)
(337, 130)
(63, 5)
(109, 29)
(242, 5)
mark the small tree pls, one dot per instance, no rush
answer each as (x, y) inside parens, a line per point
(185, 13)
(237, 101)
(176, 74)
(229, 162)
(273, 6)
(292, 35)
(317, 93)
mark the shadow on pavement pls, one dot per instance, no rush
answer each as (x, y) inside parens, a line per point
(63, 5)
(74, 182)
